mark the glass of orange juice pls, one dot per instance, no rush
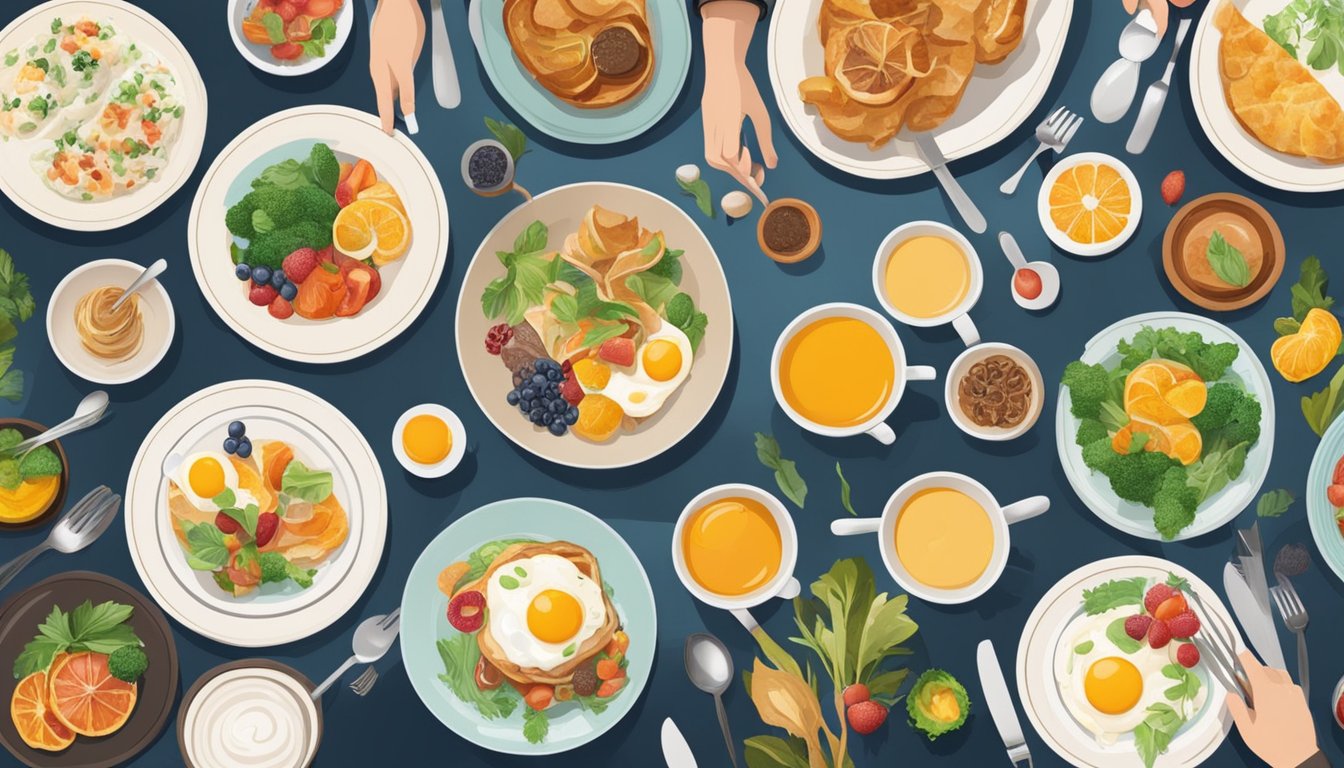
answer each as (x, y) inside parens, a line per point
(927, 274)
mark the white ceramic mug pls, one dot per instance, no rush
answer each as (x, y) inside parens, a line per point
(962, 365)
(1000, 518)
(959, 316)
(876, 426)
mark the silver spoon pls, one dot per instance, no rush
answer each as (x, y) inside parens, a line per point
(75, 530)
(1045, 270)
(711, 670)
(145, 278)
(374, 636)
(1115, 90)
(89, 412)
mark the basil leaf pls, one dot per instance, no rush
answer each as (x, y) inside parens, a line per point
(1228, 263)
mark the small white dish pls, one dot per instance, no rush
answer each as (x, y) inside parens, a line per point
(456, 432)
(260, 56)
(962, 365)
(1061, 239)
(156, 310)
(1044, 270)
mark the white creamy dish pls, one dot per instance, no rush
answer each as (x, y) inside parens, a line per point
(251, 718)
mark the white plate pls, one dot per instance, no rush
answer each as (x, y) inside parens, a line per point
(21, 185)
(1224, 131)
(1061, 239)
(1036, 687)
(321, 435)
(998, 99)
(1221, 508)
(456, 432)
(408, 283)
(260, 57)
(562, 210)
(156, 310)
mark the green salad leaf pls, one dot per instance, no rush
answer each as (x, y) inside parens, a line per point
(1321, 408)
(300, 482)
(513, 139)
(1274, 503)
(844, 491)
(699, 189)
(460, 654)
(786, 472)
(1114, 594)
(100, 628)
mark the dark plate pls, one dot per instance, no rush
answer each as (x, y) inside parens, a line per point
(221, 669)
(19, 620)
(31, 429)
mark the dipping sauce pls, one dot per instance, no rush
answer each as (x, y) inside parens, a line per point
(106, 334)
(615, 51)
(427, 439)
(944, 538)
(927, 276)
(995, 392)
(488, 167)
(251, 718)
(786, 230)
(1027, 283)
(1237, 232)
(732, 546)
(837, 372)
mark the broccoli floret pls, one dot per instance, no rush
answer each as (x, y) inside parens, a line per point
(1099, 454)
(325, 167)
(1137, 476)
(1088, 386)
(9, 438)
(40, 462)
(271, 209)
(127, 663)
(1222, 397)
(1090, 431)
(239, 217)
(270, 249)
(10, 478)
(1245, 424)
(1174, 503)
(275, 568)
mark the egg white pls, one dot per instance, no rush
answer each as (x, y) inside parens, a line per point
(508, 608)
(181, 477)
(639, 394)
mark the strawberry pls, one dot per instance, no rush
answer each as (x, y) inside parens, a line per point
(866, 716)
(262, 295)
(267, 525)
(1184, 625)
(1335, 494)
(226, 524)
(1187, 655)
(466, 611)
(1173, 187)
(855, 693)
(619, 351)
(299, 264)
(280, 309)
(1156, 594)
(1159, 634)
(1137, 626)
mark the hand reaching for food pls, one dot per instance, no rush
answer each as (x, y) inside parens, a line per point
(731, 96)
(1159, 9)
(1279, 729)
(395, 38)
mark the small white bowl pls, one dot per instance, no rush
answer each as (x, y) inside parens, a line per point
(455, 429)
(1061, 239)
(155, 309)
(1049, 286)
(260, 57)
(963, 363)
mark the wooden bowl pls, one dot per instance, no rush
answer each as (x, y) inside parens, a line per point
(31, 429)
(814, 223)
(1184, 222)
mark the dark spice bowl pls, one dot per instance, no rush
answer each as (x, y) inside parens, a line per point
(31, 429)
(777, 236)
(1195, 215)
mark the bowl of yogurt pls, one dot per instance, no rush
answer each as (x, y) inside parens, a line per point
(253, 713)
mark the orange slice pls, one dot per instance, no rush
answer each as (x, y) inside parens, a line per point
(1299, 356)
(372, 228)
(384, 192)
(1090, 203)
(599, 418)
(33, 719)
(875, 60)
(592, 374)
(86, 698)
(1188, 398)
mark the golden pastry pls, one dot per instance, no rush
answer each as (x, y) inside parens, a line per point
(589, 53)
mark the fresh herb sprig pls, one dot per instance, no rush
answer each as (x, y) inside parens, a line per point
(100, 628)
(786, 471)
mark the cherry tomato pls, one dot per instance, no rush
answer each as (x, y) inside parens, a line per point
(287, 51)
(287, 10)
(1027, 283)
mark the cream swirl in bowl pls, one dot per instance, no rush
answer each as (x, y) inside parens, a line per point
(250, 717)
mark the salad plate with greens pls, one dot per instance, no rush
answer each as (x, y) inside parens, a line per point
(1165, 425)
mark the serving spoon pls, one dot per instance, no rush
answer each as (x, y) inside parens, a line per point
(711, 670)
(89, 412)
(1115, 90)
(145, 278)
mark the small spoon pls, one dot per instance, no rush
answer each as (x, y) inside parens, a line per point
(145, 278)
(1115, 90)
(1043, 269)
(89, 412)
(711, 670)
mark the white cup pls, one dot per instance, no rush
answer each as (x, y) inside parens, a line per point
(876, 426)
(783, 585)
(959, 316)
(1000, 518)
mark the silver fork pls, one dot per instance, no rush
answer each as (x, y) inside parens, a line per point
(1054, 132)
(1218, 645)
(1294, 615)
(364, 683)
(373, 637)
(75, 530)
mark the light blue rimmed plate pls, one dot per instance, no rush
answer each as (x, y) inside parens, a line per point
(424, 620)
(1320, 512)
(671, 31)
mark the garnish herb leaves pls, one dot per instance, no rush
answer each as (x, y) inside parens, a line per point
(699, 189)
(513, 139)
(844, 491)
(1319, 23)
(1321, 408)
(786, 472)
(1228, 262)
(525, 278)
(206, 550)
(100, 628)
(300, 482)
(16, 306)
(1273, 503)
(1114, 594)
(460, 654)
(535, 725)
(1308, 294)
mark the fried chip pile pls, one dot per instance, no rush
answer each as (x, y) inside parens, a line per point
(582, 50)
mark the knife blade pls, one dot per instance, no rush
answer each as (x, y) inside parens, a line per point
(676, 752)
(1000, 702)
(1257, 623)
(447, 89)
(1251, 565)
(933, 156)
(1155, 98)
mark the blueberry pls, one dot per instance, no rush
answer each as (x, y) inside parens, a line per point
(536, 415)
(557, 428)
(237, 429)
(572, 415)
(527, 393)
(244, 448)
(553, 389)
(278, 279)
(242, 272)
(525, 405)
(558, 406)
(261, 275)
(538, 380)
(554, 375)
(512, 397)
(230, 445)
(288, 291)
(525, 372)
(542, 364)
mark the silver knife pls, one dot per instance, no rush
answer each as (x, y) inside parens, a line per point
(447, 89)
(1257, 623)
(933, 156)
(1000, 703)
(676, 752)
(1155, 98)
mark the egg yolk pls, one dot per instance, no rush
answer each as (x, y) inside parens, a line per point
(1113, 685)
(206, 478)
(427, 439)
(554, 616)
(662, 359)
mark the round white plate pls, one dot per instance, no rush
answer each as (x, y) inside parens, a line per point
(260, 56)
(998, 99)
(562, 210)
(1221, 508)
(1061, 239)
(21, 185)
(1036, 687)
(456, 432)
(155, 309)
(408, 283)
(1224, 131)
(322, 437)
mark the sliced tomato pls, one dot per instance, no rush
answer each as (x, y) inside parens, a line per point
(1339, 471)
(244, 577)
(320, 9)
(357, 282)
(287, 51)
(347, 263)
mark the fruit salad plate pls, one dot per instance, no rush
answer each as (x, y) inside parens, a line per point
(1047, 648)
(1323, 515)
(625, 354)
(60, 167)
(432, 648)
(239, 548)
(1235, 493)
(317, 237)
(998, 99)
(155, 690)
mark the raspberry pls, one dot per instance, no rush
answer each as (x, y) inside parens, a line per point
(570, 390)
(1173, 187)
(1137, 626)
(262, 295)
(280, 309)
(226, 524)
(299, 264)
(866, 716)
(1187, 655)
(267, 524)
(466, 611)
(1184, 625)
(497, 337)
(1159, 634)
(855, 693)
(1156, 595)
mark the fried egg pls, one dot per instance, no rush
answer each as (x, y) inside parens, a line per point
(542, 609)
(1108, 688)
(662, 363)
(204, 475)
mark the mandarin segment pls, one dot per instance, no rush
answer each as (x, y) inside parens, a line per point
(1301, 355)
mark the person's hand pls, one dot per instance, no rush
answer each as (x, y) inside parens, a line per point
(731, 96)
(395, 39)
(1279, 730)
(1159, 9)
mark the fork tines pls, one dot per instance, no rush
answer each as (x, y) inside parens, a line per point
(1218, 647)
(364, 683)
(391, 620)
(1286, 599)
(85, 506)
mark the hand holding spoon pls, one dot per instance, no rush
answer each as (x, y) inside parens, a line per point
(145, 278)
(1045, 276)
(711, 670)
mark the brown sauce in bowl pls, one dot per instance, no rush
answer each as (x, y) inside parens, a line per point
(995, 392)
(786, 230)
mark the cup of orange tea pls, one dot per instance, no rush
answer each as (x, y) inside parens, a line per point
(735, 547)
(943, 536)
(840, 369)
(928, 274)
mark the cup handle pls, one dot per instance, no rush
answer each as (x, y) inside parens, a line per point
(882, 433)
(745, 618)
(965, 327)
(857, 526)
(920, 373)
(791, 589)
(1024, 509)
